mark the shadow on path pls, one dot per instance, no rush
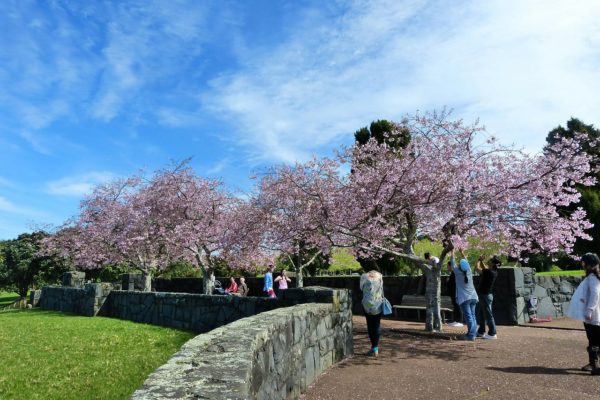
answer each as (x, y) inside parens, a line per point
(537, 370)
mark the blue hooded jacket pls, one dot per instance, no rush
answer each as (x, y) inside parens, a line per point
(464, 291)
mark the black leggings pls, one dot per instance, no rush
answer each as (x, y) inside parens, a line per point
(593, 334)
(373, 327)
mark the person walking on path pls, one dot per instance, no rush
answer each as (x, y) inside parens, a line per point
(371, 285)
(585, 305)
(268, 287)
(466, 296)
(486, 285)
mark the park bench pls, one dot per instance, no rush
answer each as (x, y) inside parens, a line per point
(418, 303)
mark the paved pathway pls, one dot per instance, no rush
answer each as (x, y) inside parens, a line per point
(524, 363)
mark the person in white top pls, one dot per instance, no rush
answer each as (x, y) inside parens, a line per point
(371, 285)
(591, 314)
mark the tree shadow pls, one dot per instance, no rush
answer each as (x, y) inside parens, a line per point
(538, 370)
(396, 347)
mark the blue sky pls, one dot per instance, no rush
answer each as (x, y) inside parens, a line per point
(99, 89)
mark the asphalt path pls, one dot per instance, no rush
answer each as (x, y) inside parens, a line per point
(523, 363)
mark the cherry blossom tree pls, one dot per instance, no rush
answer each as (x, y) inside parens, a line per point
(205, 223)
(118, 223)
(452, 182)
(295, 202)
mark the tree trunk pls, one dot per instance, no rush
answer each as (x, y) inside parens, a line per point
(299, 280)
(147, 280)
(433, 320)
(208, 280)
(298, 270)
(23, 291)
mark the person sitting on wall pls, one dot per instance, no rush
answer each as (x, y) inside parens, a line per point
(233, 286)
(242, 288)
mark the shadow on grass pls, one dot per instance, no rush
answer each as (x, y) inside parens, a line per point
(38, 313)
(537, 370)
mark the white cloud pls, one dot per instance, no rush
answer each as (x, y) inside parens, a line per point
(12, 208)
(522, 67)
(78, 185)
(143, 41)
(5, 182)
(218, 167)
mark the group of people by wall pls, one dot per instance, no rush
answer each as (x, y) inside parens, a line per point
(472, 305)
(234, 289)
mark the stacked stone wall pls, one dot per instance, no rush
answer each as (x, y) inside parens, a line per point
(274, 355)
(553, 294)
(83, 301)
(193, 312)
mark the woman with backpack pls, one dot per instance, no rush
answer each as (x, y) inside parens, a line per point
(371, 285)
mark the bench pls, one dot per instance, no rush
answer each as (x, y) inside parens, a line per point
(418, 303)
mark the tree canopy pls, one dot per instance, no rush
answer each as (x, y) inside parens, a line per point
(590, 195)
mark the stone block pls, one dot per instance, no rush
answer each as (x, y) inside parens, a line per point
(566, 287)
(519, 277)
(527, 274)
(546, 308)
(545, 281)
(521, 314)
(74, 279)
(540, 292)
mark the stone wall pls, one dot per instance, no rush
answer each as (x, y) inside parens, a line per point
(193, 312)
(83, 301)
(505, 308)
(274, 355)
(553, 293)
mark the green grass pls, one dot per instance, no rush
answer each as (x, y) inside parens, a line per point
(578, 272)
(7, 298)
(49, 355)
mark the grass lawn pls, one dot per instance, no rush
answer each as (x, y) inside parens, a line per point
(50, 355)
(7, 298)
(577, 272)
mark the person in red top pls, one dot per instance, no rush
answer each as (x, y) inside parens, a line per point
(233, 287)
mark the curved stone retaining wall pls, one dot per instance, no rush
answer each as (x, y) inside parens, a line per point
(273, 355)
(193, 312)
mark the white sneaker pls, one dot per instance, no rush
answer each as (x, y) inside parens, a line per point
(490, 337)
(457, 324)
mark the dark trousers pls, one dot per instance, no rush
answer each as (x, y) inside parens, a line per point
(593, 334)
(485, 315)
(374, 328)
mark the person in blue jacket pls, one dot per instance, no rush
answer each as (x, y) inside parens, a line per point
(466, 296)
(268, 287)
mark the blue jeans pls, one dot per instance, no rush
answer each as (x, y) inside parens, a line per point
(485, 315)
(468, 310)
